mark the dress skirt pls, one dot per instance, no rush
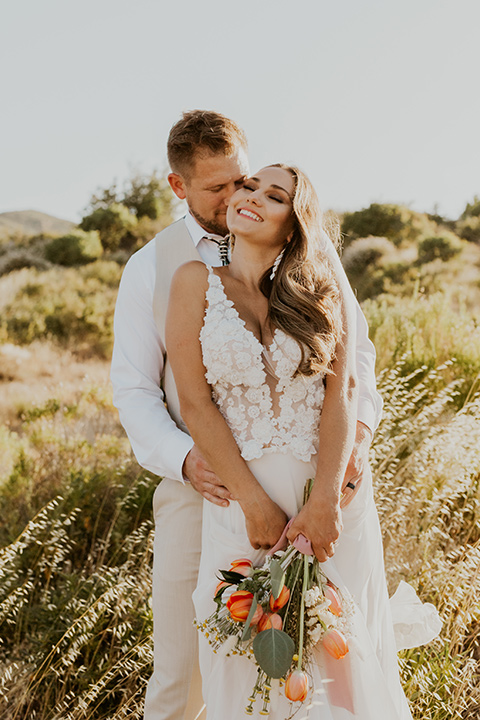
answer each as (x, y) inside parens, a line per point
(370, 669)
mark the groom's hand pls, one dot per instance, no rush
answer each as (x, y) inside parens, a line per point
(203, 480)
(357, 464)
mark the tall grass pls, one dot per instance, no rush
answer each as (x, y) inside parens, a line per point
(426, 330)
(426, 461)
(75, 618)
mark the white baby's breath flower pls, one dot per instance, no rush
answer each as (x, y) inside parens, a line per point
(327, 617)
(312, 596)
(316, 633)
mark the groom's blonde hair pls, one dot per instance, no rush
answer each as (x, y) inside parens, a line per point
(201, 132)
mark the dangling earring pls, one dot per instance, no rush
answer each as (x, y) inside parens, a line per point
(277, 262)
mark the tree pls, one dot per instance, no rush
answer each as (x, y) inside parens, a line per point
(127, 219)
(76, 248)
(149, 197)
(114, 224)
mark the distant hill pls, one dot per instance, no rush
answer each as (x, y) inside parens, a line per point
(32, 222)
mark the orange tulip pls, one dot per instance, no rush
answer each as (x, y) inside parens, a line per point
(296, 686)
(220, 585)
(331, 594)
(335, 643)
(269, 620)
(239, 604)
(243, 566)
(257, 615)
(282, 599)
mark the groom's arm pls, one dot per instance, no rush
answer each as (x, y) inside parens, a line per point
(136, 371)
(137, 367)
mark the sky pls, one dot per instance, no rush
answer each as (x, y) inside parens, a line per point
(377, 100)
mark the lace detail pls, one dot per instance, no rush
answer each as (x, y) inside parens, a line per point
(279, 415)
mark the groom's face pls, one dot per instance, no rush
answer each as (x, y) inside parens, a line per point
(212, 180)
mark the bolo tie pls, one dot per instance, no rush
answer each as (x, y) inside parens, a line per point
(223, 247)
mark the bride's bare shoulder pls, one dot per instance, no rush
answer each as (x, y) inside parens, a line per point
(188, 290)
(192, 275)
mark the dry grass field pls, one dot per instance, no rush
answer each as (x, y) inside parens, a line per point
(76, 531)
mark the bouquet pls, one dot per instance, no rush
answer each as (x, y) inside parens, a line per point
(275, 615)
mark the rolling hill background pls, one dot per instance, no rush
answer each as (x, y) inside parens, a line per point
(32, 222)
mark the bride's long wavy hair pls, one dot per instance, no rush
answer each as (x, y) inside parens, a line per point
(303, 297)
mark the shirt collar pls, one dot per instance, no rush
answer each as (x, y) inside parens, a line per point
(196, 231)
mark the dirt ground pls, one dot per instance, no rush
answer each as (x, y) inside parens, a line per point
(34, 374)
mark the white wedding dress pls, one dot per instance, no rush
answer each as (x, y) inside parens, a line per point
(274, 418)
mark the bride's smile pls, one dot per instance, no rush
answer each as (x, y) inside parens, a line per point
(262, 207)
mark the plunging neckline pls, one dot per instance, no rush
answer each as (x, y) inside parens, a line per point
(265, 348)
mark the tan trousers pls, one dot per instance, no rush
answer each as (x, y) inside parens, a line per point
(174, 690)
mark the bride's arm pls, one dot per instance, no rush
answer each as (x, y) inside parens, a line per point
(320, 519)
(265, 520)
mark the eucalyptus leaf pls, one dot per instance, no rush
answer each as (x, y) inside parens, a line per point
(278, 578)
(246, 635)
(273, 651)
(246, 629)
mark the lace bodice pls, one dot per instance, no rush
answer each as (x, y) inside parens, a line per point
(266, 408)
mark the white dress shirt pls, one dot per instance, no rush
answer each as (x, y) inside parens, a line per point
(137, 365)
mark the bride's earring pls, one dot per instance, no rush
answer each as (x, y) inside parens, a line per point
(277, 262)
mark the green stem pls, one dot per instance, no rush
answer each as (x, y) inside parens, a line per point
(302, 610)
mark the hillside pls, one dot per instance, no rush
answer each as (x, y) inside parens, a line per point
(32, 222)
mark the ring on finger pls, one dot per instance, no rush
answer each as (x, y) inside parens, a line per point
(351, 485)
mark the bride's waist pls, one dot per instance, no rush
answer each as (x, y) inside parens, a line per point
(300, 447)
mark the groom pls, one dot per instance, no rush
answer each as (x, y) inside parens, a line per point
(207, 153)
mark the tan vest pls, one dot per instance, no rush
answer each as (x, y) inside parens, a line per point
(174, 247)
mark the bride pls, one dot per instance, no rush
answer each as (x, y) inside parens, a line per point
(263, 353)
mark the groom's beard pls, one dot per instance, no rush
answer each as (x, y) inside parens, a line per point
(216, 225)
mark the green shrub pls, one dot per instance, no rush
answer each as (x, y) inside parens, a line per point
(469, 228)
(73, 307)
(114, 224)
(363, 253)
(375, 266)
(76, 248)
(472, 209)
(442, 247)
(19, 258)
(106, 272)
(395, 222)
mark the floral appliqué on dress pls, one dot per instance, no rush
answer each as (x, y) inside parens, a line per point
(236, 368)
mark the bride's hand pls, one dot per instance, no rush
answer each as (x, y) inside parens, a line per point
(265, 521)
(321, 523)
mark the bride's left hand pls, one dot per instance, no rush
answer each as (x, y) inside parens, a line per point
(321, 523)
